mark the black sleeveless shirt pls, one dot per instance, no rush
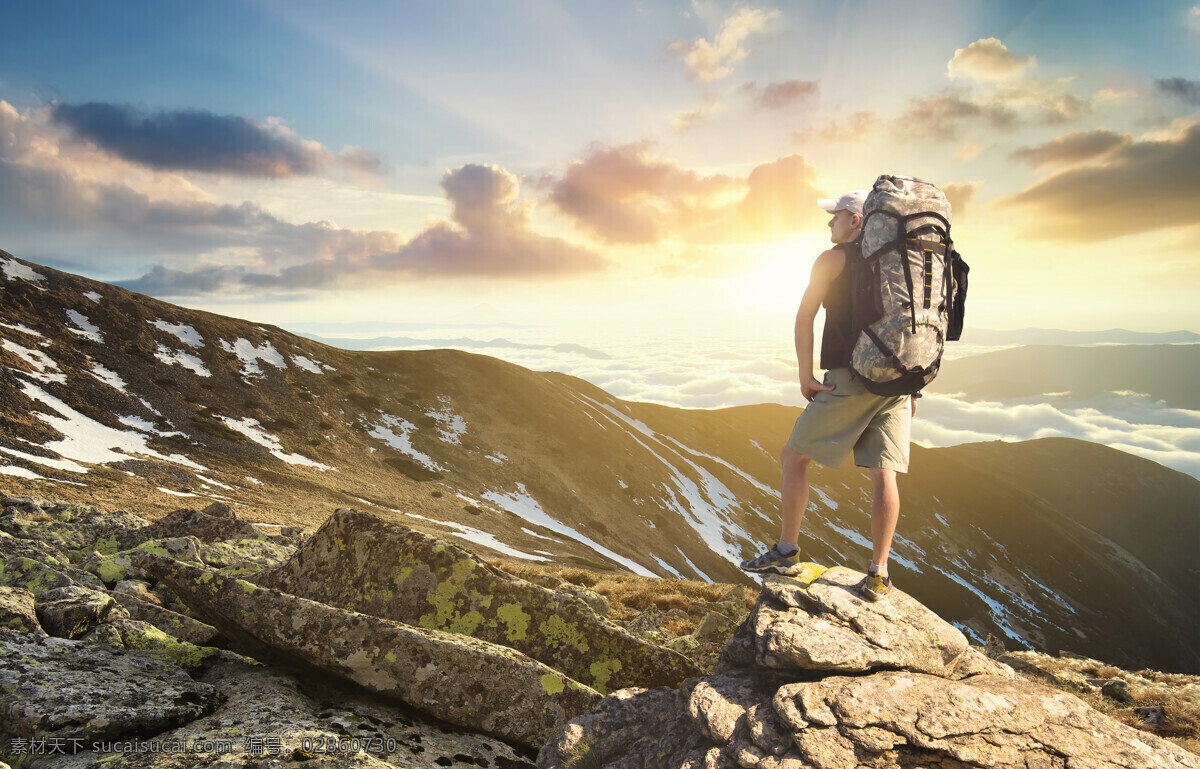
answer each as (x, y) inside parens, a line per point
(837, 341)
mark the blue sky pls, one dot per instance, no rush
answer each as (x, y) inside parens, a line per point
(570, 161)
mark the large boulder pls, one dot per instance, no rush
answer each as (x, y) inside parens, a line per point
(72, 611)
(18, 611)
(902, 692)
(462, 680)
(60, 689)
(37, 567)
(359, 562)
(184, 523)
(820, 623)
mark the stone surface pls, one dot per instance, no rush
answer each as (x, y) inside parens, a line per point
(115, 567)
(186, 523)
(17, 611)
(273, 717)
(71, 611)
(245, 556)
(174, 624)
(826, 626)
(357, 561)
(57, 688)
(457, 678)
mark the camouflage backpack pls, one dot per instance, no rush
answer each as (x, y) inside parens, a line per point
(909, 289)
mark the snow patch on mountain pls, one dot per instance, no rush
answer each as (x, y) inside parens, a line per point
(14, 270)
(181, 358)
(250, 355)
(402, 441)
(184, 333)
(45, 369)
(250, 427)
(84, 327)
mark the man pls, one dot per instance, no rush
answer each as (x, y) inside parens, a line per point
(842, 415)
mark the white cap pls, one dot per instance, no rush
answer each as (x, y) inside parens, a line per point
(852, 201)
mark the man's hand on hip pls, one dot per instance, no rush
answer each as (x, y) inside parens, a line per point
(810, 386)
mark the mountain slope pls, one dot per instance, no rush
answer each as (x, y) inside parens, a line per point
(1166, 372)
(545, 466)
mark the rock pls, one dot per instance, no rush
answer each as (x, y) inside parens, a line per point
(136, 588)
(37, 567)
(775, 702)
(117, 567)
(457, 678)
(17, 612)
(273, 718)
(177, 625)
(245, 556)
(185, 523)
(826, 626)
(594, 600)
(359, 562)
(219, 510)
(159, 645)
(71, 611)
(1153, 715)
(1118, 691)
(57, 688)
(713, 625)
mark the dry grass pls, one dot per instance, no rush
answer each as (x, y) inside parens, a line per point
(1176, 693)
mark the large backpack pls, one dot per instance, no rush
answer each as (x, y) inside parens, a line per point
(909, 288)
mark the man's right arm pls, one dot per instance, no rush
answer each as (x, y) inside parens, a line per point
(827, 267)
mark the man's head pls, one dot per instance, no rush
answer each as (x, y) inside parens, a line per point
(847, 215)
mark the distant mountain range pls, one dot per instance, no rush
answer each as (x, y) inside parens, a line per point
(1026, 336)
(119, 400)
(1165, 372)
(400, 342)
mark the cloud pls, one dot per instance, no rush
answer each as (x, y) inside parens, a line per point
(1187, 91)
(1050, 102)
(988, 59)
(780, 95)
(960, 197)
(709, 61)
(127, 213)
(1072, 148)
(858, 127)
(1141, 186)
(625, 195)
(198, 140)
(946, 115)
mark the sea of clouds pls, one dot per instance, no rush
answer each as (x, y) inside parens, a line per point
(709, 371)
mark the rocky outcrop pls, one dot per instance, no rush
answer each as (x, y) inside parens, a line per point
(71, 611)
(904, 691)
(60, 689)
(359, 562)
(460, 679)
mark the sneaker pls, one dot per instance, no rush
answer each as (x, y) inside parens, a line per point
(773, 561)
(874, 587)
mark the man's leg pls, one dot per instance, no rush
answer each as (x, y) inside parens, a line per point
(885, 512)
(795, 494)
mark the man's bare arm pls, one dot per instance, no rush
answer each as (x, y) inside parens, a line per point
(827, 267)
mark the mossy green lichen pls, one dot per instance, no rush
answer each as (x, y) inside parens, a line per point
(602, 672)
(515, 620)
(165, 647)
(553, 684)
(559, 632)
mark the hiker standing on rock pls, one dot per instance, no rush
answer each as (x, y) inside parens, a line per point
(842, 414)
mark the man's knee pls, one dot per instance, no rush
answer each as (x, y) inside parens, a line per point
(883, 478)
(793, 459)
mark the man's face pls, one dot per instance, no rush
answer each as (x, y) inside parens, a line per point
(843, 226)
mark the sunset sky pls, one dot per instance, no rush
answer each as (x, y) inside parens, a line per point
(568, 164)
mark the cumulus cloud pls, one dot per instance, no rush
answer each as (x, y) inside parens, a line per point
(713, 60)
(198, 140)
(988, 59)
(1072, 148)
(625, 195)
(1141, 186)
(1187, 91)
(780, 95)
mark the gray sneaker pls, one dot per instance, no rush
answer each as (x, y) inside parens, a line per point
(773, 562)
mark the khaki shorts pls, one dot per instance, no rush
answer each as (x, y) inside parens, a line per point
(876, 427)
